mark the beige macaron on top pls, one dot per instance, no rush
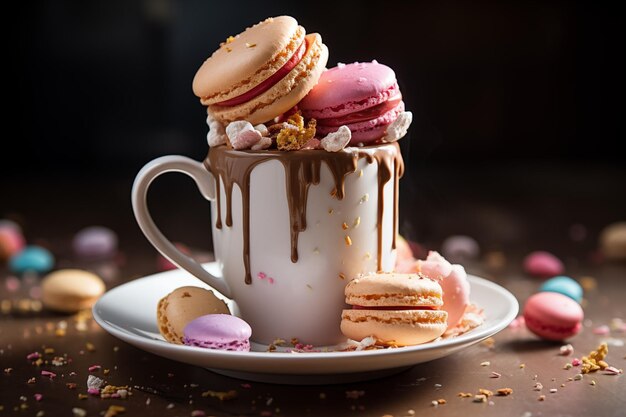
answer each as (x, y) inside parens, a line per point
(183, 305)
(261, 73)
(71, 290)
(395, 290)
(245, 60)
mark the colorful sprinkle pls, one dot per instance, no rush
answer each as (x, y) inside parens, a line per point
(602, 330)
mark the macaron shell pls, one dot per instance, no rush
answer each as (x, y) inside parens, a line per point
(251, 57)
(285, 94)
(345, 89)
(553, 316)
(183, 305)
(399, 327)
(71, 290)
(393, 289)
(218, 331)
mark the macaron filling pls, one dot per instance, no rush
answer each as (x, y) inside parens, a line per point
(394, 308)
(364, 114)
(271, 81)
(235, 345)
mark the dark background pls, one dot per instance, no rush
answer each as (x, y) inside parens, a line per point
(518, 106)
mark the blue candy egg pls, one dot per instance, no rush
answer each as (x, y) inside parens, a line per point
(32, 259)
(564, 285)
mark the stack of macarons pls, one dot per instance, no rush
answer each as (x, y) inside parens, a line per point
(255, 80)
(395, 309)
(196, 317)
(554, 313)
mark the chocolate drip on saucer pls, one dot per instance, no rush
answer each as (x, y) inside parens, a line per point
(302, 168)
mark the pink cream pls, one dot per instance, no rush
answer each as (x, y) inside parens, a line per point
(269, 82)
(393, 308)
(363, 115)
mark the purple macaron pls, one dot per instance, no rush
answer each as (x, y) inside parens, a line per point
(218, 331)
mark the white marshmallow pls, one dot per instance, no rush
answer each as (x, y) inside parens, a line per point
(398, 128)
(336, 141)
(216, 135)
(262, 129)
(242, 135)
(264, 143)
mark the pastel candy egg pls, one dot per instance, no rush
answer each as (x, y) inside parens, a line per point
(11, 240)
(553, 316)
(564, 285)
(10, 224)
(95, 242)
(71, 290)
(32, 259)
(543, 264)
(459, 248)
(613, 241)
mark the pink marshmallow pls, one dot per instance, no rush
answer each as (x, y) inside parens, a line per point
(453, 281)
(435, 266)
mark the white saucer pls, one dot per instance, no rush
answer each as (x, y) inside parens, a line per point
(128, 312)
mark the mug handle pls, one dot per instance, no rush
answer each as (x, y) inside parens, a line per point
(205, 181)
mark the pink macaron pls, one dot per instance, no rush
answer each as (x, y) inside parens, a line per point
(363, 96)
(553, 316)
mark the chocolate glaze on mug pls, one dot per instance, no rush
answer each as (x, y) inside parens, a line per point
(302, 168)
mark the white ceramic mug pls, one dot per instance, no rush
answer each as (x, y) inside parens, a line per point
(284, 297)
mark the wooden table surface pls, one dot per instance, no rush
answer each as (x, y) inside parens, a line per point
(503, 221)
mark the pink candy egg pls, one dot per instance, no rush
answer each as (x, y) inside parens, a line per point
(543, 264)
(11, 240)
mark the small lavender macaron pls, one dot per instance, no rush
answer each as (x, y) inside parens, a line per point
(218, 331)
(95, 242)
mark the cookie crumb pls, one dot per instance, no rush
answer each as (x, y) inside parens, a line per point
(485, 392)
(480, 398)
(221, 395)
(503, 392)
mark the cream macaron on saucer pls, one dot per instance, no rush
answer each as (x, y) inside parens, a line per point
(262, 72)
(395, 309)
(183, 305)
